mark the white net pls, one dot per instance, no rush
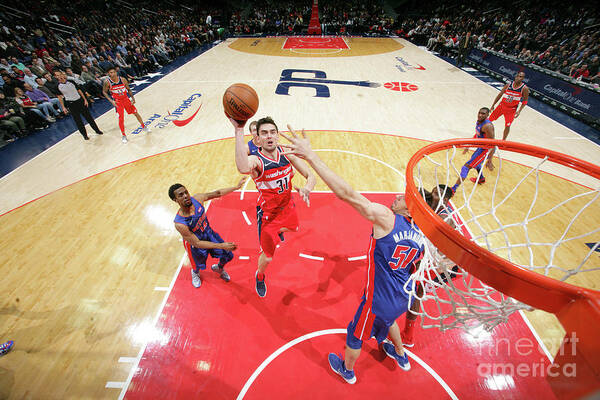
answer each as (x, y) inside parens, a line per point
(524, 213)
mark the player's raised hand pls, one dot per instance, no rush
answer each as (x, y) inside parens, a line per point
(241, 182)
(236, 124)
(229, 246)
(304, 193)
(300, 146)
(466, 150)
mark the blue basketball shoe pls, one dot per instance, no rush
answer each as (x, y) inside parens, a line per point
(402, 361)
(337, 364)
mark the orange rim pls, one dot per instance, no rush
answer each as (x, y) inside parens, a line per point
(534, 289)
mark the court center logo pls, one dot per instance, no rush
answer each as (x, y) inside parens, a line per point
(317, 80)
(175, 117)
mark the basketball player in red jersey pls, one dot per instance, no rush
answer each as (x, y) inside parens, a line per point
(272, 173)
(120, 92)
(511, 94)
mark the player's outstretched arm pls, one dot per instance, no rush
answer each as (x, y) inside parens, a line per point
(311, 181)
(499, 96)
(381, 216)
(202, 197)
(246, 164)
(189, 237)
(301, 167)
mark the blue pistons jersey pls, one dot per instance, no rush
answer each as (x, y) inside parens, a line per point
(478, 126)
(392, 260)
(197, 222)
(252, 147)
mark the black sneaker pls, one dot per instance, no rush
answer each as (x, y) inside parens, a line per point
(261, 287)
(99, 133)
(86, 137)
(281, 236)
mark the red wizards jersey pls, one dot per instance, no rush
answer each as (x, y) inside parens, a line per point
(118, 90)
(274, 184)
(512, 96)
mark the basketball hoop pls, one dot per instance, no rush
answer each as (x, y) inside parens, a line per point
(496, 275)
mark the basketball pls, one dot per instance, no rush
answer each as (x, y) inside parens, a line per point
(240, 102)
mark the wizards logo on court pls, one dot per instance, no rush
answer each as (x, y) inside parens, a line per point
(317, 80)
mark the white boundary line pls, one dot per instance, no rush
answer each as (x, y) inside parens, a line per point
(308, 336)
(161, 288)
(244, 257)
(159, 312)
(244, 188)
(365, 156)
(127, 359)
(311, 257)
(246, 218)
(357, 258)
(155, 320)
(539, 339)
(114, 385)
(432, 373)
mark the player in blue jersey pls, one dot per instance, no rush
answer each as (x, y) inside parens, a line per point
(254, 143)
(199, 239)
(484, 129)
(438, 199)
(396, 246)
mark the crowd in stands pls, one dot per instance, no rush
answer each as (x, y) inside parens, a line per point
(271, 18)
(86, 37)
(38, 40)
(354, 18)
(558, 37)
(337, 17)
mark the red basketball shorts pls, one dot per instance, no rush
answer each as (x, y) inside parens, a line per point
(508, 112)
(125, 105)
(270, 224)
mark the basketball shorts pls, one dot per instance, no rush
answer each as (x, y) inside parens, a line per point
(509, 114)
(125, 105)
(271, 222)
(198, 256)
(366, 324)
(477, 158)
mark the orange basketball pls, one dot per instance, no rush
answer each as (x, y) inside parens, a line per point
(240, 102)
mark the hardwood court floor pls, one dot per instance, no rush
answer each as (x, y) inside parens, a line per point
(81, 265)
